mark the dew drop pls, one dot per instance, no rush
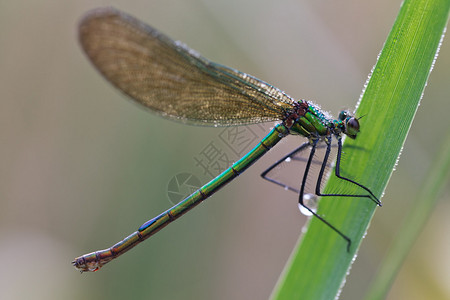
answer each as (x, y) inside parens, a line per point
(310, 201)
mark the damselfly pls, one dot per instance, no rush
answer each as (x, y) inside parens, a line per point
(176, 82)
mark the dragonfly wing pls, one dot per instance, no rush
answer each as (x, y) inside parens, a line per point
(175, 81)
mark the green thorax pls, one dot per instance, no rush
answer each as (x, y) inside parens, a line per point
(311, 121)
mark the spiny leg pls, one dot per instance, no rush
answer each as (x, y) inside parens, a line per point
(280, 161)
(302, 189)
(371, 196)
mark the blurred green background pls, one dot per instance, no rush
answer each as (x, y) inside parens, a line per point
(81, 168)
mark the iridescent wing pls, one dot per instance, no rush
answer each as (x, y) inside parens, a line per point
(173, 80)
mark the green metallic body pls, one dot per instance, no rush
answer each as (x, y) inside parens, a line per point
(313, 124)
(93, 261)
(174, 81)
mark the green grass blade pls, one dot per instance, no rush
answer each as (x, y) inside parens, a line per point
(320, 262)
(436, 180)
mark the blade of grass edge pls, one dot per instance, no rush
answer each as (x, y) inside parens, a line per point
(319, 264)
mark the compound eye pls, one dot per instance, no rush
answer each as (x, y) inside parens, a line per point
(343, 115)
(353, 123)
(352, 127)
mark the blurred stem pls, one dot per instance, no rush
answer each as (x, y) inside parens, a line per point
(436, 180)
